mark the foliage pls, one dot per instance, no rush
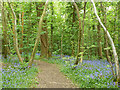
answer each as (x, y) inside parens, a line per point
(63, 23)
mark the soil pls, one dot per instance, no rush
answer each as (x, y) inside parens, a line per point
(49, 76)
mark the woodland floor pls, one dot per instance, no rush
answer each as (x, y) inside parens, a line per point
(49, 76)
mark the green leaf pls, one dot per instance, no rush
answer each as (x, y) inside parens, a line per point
(31, 44)
(108, 65)
(93, 46)
(107, 48)
(74, 66)
(36, 82)
(82, 47)
(43, 32)
(81, 53)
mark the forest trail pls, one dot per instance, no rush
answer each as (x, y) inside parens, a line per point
(49, 76)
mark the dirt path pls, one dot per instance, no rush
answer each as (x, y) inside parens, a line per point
(49, 76)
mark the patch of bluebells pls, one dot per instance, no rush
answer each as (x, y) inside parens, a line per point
(38, 54)
(11, 59)
(18, 76)
(0, 56)
(0, 77)
(90, 74)
(56, 55)
(52, 55)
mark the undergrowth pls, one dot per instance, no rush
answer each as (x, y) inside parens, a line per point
(17, 75)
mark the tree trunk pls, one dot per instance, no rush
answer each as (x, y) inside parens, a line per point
(119, 31)
(88, 45)
(99, 39)
(89, 34)
(28, 32)
(5, 48)
(61, 43)
(99, 42)
(44, 37)
(79, 34)
(119, 40)
(51, 44)
(82, 49)
(15, 33)
(73, 46)
(44, 42)
(21, 42)
(38, 35)
(111, 42)
(1, 36)
(106, 39)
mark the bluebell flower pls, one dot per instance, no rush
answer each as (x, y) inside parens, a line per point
(37, 53)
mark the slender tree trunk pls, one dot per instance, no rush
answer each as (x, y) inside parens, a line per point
(88, 42)
(119, 31)
(91, 35)
(15, 33)
(61, 43)
(38, 35)
(26, 50)
(5, 48)
(20, 30)
(79, 34)
(99, 38)
(8, 20)
(51, 44)
(96, 48)
(99, 42)
(21, 42)
(73, 46)
(106, 39)
(88, 45)
(119, 39)
(111, 42)
(1, 36)
(82, 49)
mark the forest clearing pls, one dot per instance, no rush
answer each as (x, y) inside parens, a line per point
(60, 44)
